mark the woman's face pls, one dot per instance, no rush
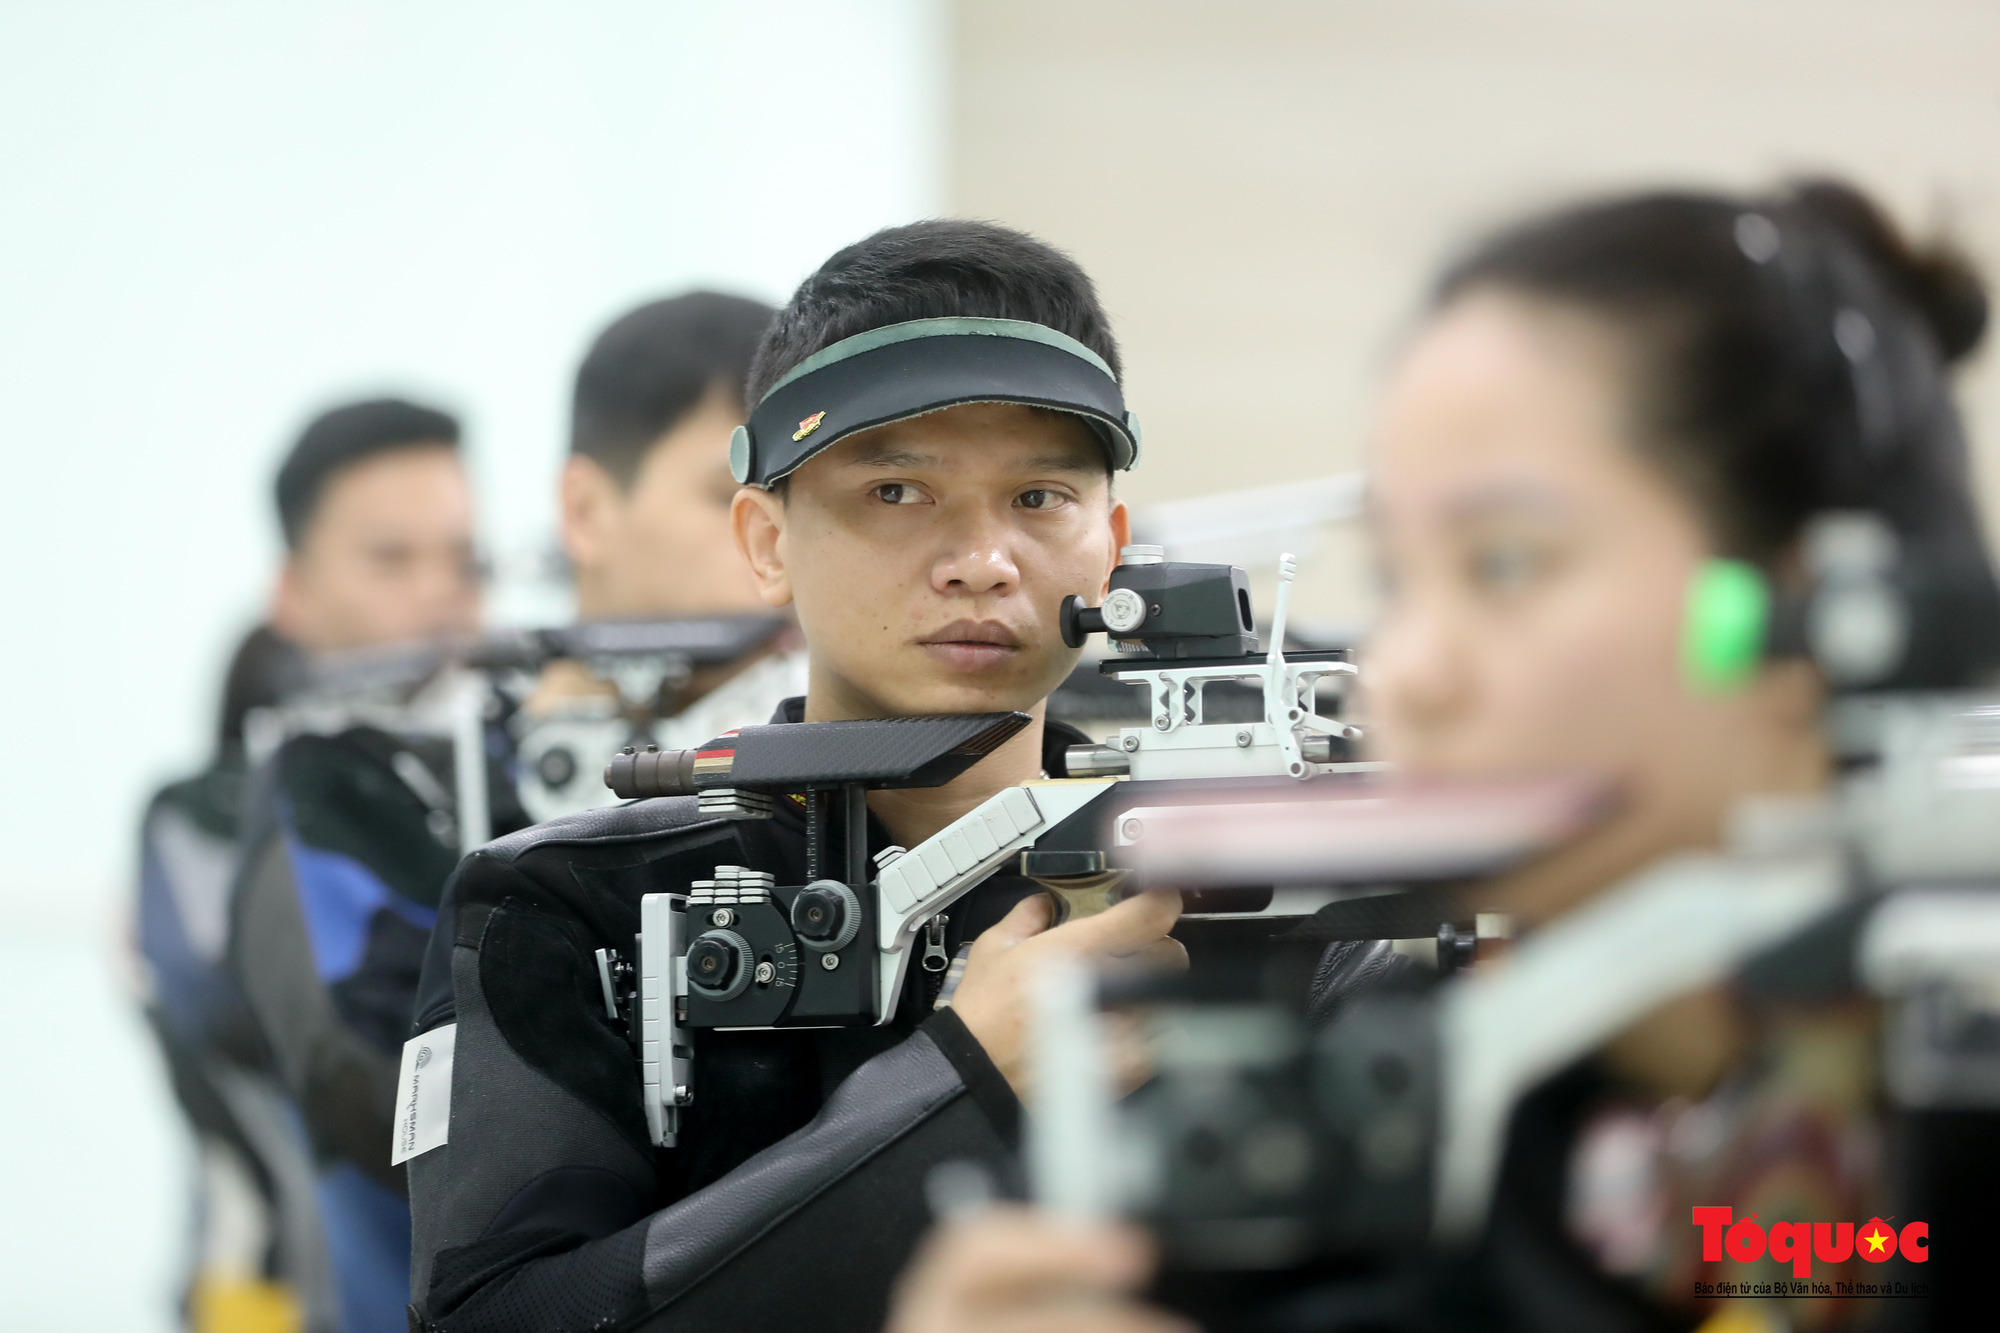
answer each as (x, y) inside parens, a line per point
(1536, 568)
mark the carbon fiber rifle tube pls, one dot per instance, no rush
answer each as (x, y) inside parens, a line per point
(649, 772)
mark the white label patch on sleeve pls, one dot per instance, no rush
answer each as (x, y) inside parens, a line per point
(423, 1094)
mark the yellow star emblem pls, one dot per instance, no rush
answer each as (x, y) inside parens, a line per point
(1875, 1240)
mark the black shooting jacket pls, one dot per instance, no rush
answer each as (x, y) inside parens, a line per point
(796, 1191)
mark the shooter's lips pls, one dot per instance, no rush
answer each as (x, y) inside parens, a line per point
(971, 645)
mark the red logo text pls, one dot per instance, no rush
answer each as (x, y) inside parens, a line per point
(1799, 1243)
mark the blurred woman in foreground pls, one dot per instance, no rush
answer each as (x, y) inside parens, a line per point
(1600, 404)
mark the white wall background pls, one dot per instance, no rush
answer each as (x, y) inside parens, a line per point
(219, 215)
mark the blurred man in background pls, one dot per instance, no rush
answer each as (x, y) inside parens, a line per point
(646, 490)
(345, 878)
(347, 835)
(375, 512)
(377, 516)
(644, 499)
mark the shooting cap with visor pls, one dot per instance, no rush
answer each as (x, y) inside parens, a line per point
(905, 370)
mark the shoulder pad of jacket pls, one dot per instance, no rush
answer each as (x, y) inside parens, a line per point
(633, 821)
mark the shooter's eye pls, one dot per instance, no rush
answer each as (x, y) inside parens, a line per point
(1508, 566)
(897, 493)
(1039, 499)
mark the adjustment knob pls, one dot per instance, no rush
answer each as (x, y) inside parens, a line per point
(718, 965)
(1123, 611)
(556, 767)
(1078, 621)
(826, 915)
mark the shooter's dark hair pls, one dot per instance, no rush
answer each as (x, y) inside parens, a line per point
(346, 435)
(650, 368)
(1790, 352)
(932, 270)
(264, 669)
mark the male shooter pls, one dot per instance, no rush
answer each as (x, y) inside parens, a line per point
(646, 491)
(342, 860)
(926, 476)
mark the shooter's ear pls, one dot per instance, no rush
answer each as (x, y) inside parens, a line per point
(287, 615)
(589, 502)
(1121, 537)
(757, 518)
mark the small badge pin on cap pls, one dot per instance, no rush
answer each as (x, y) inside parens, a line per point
(808, 426)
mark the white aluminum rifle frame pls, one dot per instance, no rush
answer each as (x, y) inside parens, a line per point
(928, 878)
(925, 880)
(1179, 744)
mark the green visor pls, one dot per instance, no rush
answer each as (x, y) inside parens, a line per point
(905, 370)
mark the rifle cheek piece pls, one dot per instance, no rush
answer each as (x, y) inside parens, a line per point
(1167, 610)
(1078, 622)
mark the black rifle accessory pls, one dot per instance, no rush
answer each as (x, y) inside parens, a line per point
(1170, 610)
(762, 954)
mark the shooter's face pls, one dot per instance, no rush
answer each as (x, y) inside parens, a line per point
(386, 557)
(927, 558)
(1536, 567)
(660, 546)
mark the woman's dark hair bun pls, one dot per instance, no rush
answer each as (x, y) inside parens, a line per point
(1937, 279)
(1753, 391)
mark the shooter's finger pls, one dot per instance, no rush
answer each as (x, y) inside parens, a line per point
(1126, 928)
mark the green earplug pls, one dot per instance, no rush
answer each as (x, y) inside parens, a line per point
(1728, 606)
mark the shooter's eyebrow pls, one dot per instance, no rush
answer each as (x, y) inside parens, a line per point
(893, 455)
(1506, 498)
(1068, 461)
(1481, 501)
(887, 455)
